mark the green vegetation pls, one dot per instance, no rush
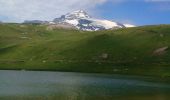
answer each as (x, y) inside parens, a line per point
(124, 97)
(134, 51)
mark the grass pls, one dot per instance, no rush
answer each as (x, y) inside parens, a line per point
(129, 51)
(77, 97)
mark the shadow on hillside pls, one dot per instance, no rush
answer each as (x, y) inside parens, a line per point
(111, 54)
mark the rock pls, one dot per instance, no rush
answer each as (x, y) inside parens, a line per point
(161, 51)
(60, 26)
(104, 56)
(31, 59)
(44, 61)
(24, 33)
(35, 22)
(115, 70)
(161, 35)
(23, 26)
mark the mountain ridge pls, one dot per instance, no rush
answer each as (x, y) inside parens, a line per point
(83, 21)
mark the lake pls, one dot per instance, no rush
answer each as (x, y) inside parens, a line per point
(39, 85)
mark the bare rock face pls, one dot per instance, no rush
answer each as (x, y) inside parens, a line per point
(83, 21)
(161, 51)
(60, 26)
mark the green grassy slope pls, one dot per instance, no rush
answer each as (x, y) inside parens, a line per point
(124, 51)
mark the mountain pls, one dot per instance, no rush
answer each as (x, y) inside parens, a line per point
(35, 22)
(82, 21)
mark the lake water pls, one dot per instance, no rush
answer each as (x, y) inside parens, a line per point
(31, 85)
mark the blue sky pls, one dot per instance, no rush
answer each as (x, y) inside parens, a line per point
(138, 12)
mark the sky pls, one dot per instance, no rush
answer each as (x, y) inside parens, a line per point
(137, 12)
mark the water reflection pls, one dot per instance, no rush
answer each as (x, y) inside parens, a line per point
(77, 86)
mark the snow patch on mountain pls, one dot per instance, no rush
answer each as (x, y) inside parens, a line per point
(106, 23)
(77, 15)
(82, 21)
(74, 22)
(129, 25)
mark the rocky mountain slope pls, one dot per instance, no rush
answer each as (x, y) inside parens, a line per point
(83, 21)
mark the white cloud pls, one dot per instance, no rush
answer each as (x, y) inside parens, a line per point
(19, 10)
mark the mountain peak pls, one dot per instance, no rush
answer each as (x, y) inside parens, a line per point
(79, 14)
(80, 11)
(82, 21)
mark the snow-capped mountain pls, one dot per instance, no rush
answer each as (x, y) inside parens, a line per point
(82, 21)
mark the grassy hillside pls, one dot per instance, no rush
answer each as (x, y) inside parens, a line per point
(142, 51)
